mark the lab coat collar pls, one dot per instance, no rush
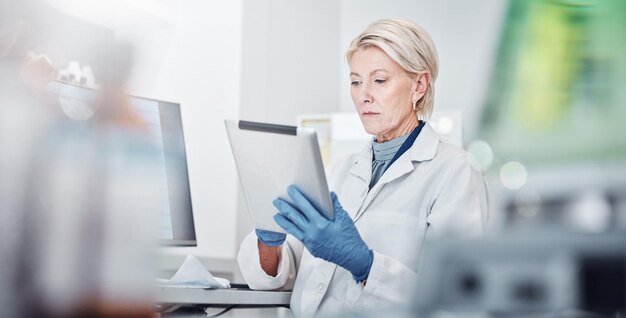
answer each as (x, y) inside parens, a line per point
(363, 163)
(424, 148)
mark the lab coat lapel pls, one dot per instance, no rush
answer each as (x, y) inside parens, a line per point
(399, 168)
(363, 163)
(424, 148)
(361, 174)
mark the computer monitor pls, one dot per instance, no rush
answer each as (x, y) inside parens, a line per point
(165, 122)
(163, 119)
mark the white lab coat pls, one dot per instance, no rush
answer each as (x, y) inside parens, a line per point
(433, 189)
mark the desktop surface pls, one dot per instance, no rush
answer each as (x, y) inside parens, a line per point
(237, 295)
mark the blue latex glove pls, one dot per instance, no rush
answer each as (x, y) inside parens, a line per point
(336, 241)
(270, 238)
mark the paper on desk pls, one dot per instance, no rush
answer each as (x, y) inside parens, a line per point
(192, 274)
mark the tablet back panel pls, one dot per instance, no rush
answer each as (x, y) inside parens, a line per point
(269, 158)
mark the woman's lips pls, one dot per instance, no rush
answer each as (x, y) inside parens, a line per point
(370, 113)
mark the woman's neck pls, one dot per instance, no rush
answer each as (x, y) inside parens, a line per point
(406, 127)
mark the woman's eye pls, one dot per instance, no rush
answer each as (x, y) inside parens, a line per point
(380, 81)
(355, 83)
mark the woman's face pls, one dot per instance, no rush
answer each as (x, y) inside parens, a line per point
(382, 93)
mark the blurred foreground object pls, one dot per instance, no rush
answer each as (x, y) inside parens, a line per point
(553, 274)
(76, 192)
(551, 137)
(557, 89)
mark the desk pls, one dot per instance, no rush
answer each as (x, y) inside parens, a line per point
(231, 296)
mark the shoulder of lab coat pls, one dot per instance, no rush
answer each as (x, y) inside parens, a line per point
(460, 200)
(461, 205)
(459, 208)
(255, 276)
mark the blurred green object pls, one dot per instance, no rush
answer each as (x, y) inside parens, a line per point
(558, 89)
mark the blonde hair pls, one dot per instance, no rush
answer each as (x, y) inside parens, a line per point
(408, 45)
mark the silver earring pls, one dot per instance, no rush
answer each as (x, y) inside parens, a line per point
(415, 105)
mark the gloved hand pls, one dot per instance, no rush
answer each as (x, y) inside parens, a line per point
(336, 241)
(270, 238)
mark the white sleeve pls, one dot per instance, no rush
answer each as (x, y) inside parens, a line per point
(461, 207)
(255, 276)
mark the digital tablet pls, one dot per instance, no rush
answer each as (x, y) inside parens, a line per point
(271, 157)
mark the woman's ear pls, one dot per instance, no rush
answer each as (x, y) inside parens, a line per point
(422, 80)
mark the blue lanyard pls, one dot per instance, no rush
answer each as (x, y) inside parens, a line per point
(408, 143)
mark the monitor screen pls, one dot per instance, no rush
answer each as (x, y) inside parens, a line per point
(163, 119)
(165, 123)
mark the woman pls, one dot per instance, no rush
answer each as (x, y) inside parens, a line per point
(405, 187)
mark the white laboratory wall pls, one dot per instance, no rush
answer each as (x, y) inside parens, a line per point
(192, 55)
(289, 64)
(289, 60)
(466, 34)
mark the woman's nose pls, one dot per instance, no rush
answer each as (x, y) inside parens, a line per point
(365, 95)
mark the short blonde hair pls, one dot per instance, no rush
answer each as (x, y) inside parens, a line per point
(408, 45)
